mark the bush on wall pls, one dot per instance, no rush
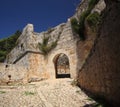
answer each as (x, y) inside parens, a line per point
(78, 26)
(45, 47)
(93, 20)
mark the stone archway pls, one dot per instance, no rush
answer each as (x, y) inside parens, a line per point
(62, 66)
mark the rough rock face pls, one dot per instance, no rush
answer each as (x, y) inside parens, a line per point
(81, 8)
(99, 6)
(101, 73)
(84, 5)
(83, 48)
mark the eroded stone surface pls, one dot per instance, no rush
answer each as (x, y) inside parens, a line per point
(48, 93)
(101, 73)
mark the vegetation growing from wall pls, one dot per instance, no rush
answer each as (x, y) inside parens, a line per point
(7, 44)
(93, 20)
(46, 46)
(78, 26)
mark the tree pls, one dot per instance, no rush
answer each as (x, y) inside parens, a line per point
(7, 44)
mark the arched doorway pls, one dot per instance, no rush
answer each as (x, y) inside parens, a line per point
(62, 66)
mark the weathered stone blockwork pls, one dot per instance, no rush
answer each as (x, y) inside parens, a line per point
(36, 65)
(26, 56)
(101, 73)
(12, 73)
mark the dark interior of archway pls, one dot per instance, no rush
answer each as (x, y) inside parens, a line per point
(62, 66)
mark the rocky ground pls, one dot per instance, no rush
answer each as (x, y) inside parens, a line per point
(48, 93)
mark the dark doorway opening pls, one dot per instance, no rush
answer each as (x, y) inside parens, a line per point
(62, 66)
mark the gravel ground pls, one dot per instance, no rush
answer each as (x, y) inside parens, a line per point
(47, 93)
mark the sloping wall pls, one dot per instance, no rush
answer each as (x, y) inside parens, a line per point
(101, 73)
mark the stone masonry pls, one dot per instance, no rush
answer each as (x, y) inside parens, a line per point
(26, 55)
(26, 63)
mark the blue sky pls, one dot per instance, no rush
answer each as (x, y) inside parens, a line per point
(43, 14)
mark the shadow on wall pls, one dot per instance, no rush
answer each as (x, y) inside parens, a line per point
(100, 75)
(100, 101)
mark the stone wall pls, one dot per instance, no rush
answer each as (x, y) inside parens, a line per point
(81, 8)
(28, 41)
(84, 5)
(26, 55)
(84, 47)
(34, 63)
(38, 66)
(11, 73)
(100, 74)
(67, 46)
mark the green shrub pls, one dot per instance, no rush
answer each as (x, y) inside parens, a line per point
(2, 53)
(45, 47)
(93, 20)
(100, 101)
(79, 26)
(29, 93)
(2, 92)
(82, 24)
(2, 58)
(74, 82)
(7, 44)
(75, 25)
(92, 3)
(83, 17)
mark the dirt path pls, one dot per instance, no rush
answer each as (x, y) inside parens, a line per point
(48, 93)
